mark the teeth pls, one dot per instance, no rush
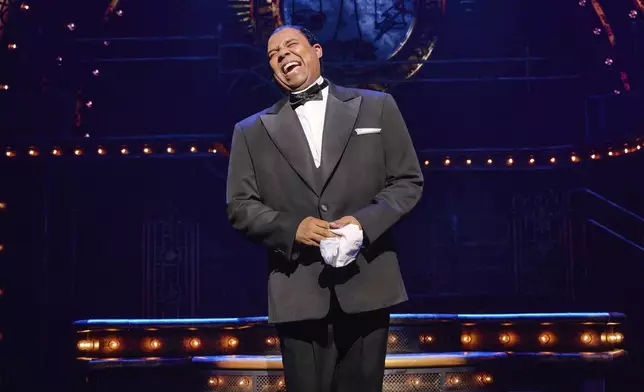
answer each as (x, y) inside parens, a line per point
(289, 66)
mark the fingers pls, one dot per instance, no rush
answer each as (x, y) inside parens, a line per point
(318, 238)
(321, 223)
(340, 223)
(310, 243)
(326, 233)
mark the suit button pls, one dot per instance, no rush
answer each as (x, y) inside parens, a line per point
(295, 256)
(324, 208)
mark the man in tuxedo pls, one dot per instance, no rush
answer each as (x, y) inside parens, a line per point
(322, 158)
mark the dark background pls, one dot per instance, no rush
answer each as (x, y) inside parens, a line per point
(82, 234)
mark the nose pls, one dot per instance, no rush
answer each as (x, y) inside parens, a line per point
(281, 55)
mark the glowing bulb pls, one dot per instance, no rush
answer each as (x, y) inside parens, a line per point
(32, 152)
(244, 382)
(392, 339)
(119, 12)
(510, 161)
(638, 147)
(608, 61)
(3, 206)
(213, 150)
(106, 43)
(505, 338)
(147, 150)
(544, 338)
(597, 31)
(193, 149)
(71, 26)
(467, 339)
(632, 14)
(4, 87)
(194, 343)
(89, 104)
(10, 154)
(155, 344)
(56, 152)
(96, 72)
(586, 338)
(447, 162)
(1, 248)
(626, 151)
(426, 163)
(426, 339)
(124, 151)
(233, 342)
(619, 337)
(101, 151)
(78, 152)
(610, 153)
(113, 345)
(25, 7)
(484, 378)
(489, 161)
(12, 46)
(553, 160)
(593, 156)
(84, 345)
(616, 92)
(468, 162)
(213, 381)
(582, 3)
(531, 161)
(170, 150)
(574, 158)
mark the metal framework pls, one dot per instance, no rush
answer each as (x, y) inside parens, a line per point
(4, 14)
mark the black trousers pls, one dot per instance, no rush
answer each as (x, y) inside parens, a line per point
(341, 353)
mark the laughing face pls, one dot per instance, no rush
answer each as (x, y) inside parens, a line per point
(295, 62)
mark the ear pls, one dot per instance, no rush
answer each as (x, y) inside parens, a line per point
(318, 50)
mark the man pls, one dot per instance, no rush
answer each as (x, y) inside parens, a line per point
(319, 160)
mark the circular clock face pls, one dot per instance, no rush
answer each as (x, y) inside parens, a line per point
(366, 42)
(355, 29)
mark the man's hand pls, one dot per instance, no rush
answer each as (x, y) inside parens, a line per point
(345, 220)
(312, 231)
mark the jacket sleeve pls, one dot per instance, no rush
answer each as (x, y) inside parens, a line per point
(274, 229)
(404, 178)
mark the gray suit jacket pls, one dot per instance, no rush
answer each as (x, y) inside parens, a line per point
(273, 185)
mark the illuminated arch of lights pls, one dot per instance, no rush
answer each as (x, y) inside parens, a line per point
(548, 157)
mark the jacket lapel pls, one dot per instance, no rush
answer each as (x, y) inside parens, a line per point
(341, 114)
(285, 130)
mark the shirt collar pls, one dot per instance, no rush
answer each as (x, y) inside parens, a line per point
(318, 81)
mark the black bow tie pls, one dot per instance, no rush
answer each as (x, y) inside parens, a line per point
(313, 93)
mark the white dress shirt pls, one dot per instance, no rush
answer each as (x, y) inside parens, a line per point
(311, 115)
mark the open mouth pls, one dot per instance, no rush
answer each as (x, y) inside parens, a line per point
(290, 67)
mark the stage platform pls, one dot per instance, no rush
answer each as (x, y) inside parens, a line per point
(426, 352)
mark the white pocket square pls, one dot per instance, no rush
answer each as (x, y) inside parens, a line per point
(366, 131)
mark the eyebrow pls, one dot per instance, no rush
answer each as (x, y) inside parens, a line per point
(291, 40)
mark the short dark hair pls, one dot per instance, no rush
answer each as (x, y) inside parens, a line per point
(305, 32)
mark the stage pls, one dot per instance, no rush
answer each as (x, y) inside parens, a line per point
(426, 352)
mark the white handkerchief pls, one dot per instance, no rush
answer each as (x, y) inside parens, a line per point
(341, 251)
(366, 131)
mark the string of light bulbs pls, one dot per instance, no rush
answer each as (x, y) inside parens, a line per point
(114, 10)
(606, 29)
